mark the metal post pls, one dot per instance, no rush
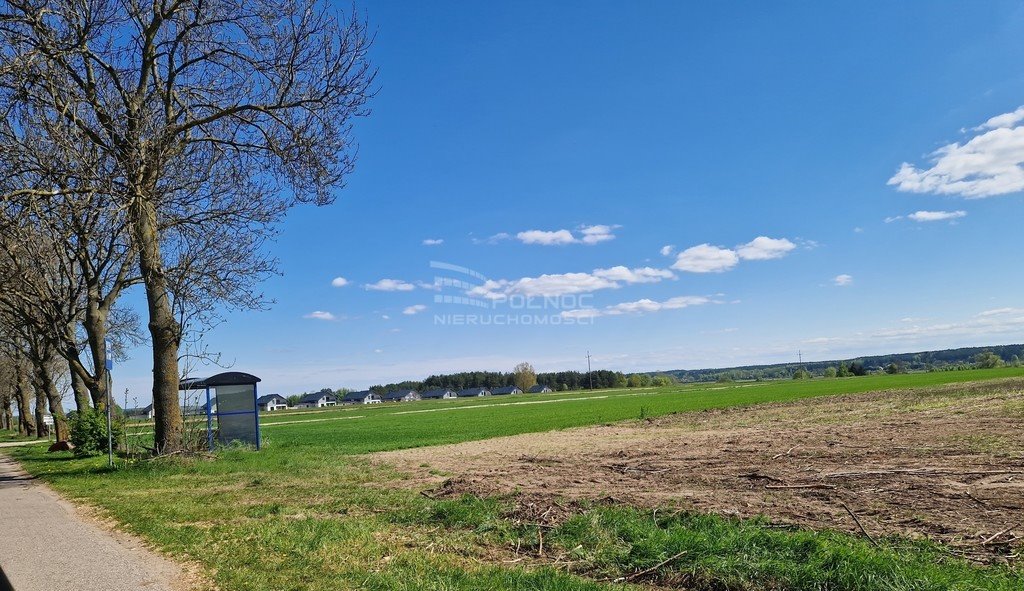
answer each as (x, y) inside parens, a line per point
(209, 420)
(108, 364)
(590, 373)
(256, 407)
(110, 432)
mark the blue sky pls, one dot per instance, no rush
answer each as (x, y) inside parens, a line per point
(782, 150)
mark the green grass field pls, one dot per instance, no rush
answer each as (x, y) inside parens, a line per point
(380, 427)
(308, 512)
(370, 428)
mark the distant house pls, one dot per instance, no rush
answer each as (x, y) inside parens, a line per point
(468, 392)
(198, 408)
(402, 396)
(538, 389)
(441, 393)
(272, 402)
(317, 400)
(139, 413)
(361, 397)
(506, 390)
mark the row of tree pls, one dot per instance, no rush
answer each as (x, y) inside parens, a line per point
(962, 358)
(525, 377)
(155, 144)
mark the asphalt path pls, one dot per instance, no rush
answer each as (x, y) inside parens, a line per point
(46, 544)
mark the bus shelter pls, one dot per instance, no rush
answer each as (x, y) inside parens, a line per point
(232, 414)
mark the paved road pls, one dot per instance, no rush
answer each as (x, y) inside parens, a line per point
(23, 443)
(45, 545)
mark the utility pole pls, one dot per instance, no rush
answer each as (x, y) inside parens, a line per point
(800, 355)
(590, 374)
(110, 403)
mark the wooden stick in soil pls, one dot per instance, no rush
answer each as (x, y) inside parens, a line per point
(989, 539)
(857, 521)
(785, 453)
(649, 570)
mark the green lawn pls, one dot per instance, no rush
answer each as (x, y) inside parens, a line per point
(308, 513)
(6, 436)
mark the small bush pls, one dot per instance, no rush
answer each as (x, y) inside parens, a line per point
(89, 433)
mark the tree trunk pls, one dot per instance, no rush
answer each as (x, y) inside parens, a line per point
(48, 388)
(5, 407)
(81, 392)
(41, 429)
(164, 331)
(95, 325)
(26, 426)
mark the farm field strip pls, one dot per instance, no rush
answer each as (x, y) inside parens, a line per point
(394, 426)
(398, 429)
(517, 403)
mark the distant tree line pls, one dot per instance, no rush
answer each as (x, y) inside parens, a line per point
(945, 360)
(523, 376)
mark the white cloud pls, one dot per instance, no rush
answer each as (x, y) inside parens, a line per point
(1005, 320)
(378, 350)
(843, 280)
(339, 282)
(559, 284)
(320, 315)
(433, 241)
(858, 230)
(546, 238)
(667, 250)
(414, 309)
(496, 238)
(1005, 120)
(764, 248)
(928, 216)
(642, 306)
(988, 164)
(936, 216)
(589, 235)
(638, 275)
(596, 234)
(1001, 311)
(705, 258)
(390, 285)
(385, 317)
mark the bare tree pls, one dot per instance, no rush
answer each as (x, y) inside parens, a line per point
(36, 366)
(23, 399)
(215, 116)
(8, 378)
(48, 395)
(61, 224)
(12, 355)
